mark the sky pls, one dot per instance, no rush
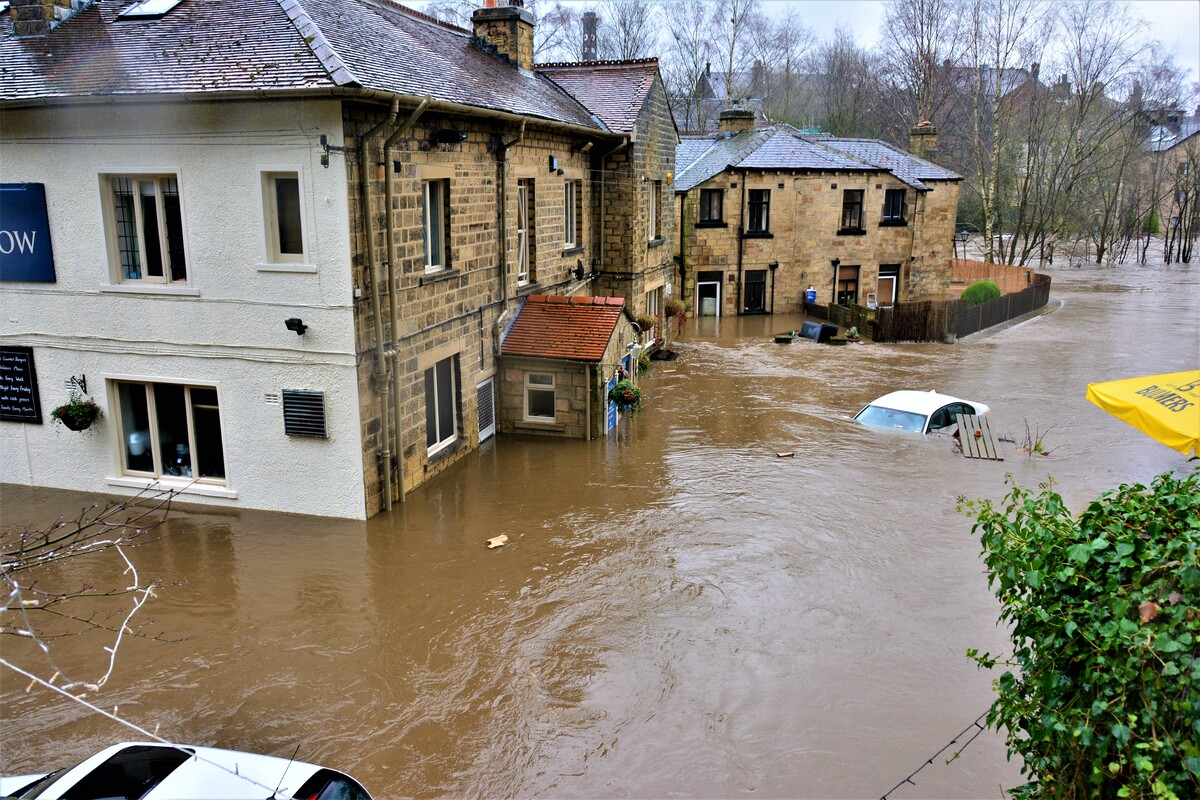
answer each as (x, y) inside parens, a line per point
(1175, 23)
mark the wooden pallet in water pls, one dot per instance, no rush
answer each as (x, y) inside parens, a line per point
(975, 434)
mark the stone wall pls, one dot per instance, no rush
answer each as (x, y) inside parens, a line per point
(455, 312)
(804, 236)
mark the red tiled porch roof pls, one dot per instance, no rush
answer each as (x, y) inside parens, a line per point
(567, 328)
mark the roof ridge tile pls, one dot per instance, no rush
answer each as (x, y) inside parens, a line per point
(315, 40)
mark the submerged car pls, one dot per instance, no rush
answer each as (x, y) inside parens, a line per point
(918, 412)
(151, 771)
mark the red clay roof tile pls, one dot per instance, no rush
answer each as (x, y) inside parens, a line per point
(566, 328)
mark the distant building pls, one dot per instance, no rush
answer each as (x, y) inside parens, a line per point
(769, 214)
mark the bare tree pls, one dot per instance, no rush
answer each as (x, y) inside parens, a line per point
(38, 608)
(687, 58)
(628, 29)
(731, 26)
(778, 47)
(920, 47)
(845, 91)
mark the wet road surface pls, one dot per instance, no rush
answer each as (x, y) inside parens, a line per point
(678, 612)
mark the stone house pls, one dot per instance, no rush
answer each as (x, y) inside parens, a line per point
(289, 239)
(768, 215)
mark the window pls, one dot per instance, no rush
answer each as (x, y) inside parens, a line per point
(285, 230)
(572, 222)
(852, 200)
(148, 228)
(847, 285)
(655, 210)
(760, 211)
(434, 195)
(893, 206)
(539, 396)
(441, 404)
(526, 243)
(171, 430)
(712, 205)
(653, 309)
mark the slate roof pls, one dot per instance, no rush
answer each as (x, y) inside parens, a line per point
(222, 46)
(563, 328)
(614, 91)
(1163, 138)
(783, 147)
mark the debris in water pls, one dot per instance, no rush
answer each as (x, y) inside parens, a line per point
(497, 541)
(785, 455)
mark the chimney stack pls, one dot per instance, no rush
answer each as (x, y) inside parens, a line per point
(922, 141)
(736, 120)
(39, 17)
(508, 30)
(591, 29)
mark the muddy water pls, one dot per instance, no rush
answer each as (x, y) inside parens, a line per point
(678, 612)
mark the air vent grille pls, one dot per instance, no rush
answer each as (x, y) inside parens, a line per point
(304, 413)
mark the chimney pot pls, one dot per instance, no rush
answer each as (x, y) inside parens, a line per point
(39, 17)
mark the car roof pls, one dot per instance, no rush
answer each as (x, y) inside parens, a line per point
(216, 774)
(918, 402)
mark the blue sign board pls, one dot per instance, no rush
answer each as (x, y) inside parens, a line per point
(25, 253)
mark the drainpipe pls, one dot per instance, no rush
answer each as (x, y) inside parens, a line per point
(603, 173)
(502, 166)
(382, 363)
(741, 243)
(393, 295)
(682, 246)
(591, 387)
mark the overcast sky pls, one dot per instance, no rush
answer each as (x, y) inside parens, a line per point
(1175, 23)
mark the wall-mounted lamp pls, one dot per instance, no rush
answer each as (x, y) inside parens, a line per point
(296, 324)
(449, 136)
(554, 164)
(835, 261)
(774, 265)
(560, 172)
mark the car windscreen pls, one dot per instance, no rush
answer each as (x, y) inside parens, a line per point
(881, 417)
(131, 773)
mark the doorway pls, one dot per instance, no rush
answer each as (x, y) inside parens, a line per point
(889, 281)
(755, 292)
(708, 294)
(847, 286)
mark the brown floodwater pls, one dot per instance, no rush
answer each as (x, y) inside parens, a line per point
(678, 612)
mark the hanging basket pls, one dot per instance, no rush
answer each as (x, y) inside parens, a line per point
(627, 396)
(77, 414)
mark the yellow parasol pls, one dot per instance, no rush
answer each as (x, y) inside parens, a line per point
(1166, 407)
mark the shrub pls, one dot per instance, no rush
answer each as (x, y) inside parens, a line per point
(980, 292)
(1104, 697)
(627, 396)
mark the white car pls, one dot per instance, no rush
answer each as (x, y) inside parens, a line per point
(919, 412)
(153, 771)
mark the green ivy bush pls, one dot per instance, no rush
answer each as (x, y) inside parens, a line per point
(980, 292)
(1105, 615)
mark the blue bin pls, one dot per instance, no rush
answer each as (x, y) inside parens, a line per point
(810, 296)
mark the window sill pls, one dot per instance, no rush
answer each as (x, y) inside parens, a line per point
(446, 452)
(150, 288)
(574, 251)
(655, 242)
(539, 427)
(533, 287)
(893, 223)
(438, 276)
(712, 223)
(299, 268)
(758, 235)
(174, 484)
(851, 232)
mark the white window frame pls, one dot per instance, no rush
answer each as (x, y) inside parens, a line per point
(434, 195)
(448, 437)
(570, 218)
(532, 385)
(271, 216)
(160, 182)
(160, 470)
(524, 268)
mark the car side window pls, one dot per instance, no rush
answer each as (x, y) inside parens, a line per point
(941, 418)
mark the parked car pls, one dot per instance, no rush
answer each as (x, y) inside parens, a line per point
(150, 771)
(919, 412)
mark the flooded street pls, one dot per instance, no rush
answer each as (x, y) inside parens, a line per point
(678, 612)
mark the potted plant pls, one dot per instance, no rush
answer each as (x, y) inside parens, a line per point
(627, 396)
(675, 308)
(648, 321)
(852, 334)
(78, 413)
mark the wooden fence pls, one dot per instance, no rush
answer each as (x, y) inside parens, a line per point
(931, 320)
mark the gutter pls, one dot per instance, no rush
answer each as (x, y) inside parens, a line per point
(393, 293)
(383, 365)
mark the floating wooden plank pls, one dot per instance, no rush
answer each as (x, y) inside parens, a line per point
(975, 434)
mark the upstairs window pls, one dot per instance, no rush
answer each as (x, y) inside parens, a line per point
(434, 197)
(759, 218)
(147, 231)
(526, 242)
(655, 210)
(893, 207)
(712, 205)
(572, 224)
(285, 229)
(852, 217)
